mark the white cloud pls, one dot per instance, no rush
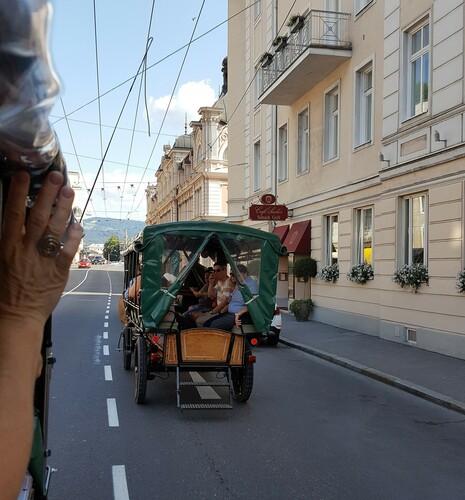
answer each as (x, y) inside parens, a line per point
(190, 97)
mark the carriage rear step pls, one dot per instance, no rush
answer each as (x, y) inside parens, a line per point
(224, 383)
(205, 406)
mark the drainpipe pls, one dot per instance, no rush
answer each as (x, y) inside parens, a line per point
(274, 139)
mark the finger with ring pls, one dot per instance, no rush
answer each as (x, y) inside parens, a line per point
(49, 246)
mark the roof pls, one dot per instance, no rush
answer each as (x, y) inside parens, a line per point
(184, 142)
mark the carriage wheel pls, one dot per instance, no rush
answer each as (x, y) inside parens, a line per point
(242, 379)
(127, 351)
(140, 370)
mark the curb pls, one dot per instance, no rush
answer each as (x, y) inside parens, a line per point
(417, 390)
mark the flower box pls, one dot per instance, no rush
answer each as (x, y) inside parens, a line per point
(329, 273)
(279, 43)
(295, 23)
(360, 273)
(411, 275)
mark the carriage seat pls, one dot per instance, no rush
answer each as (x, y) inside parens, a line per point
(246, 328)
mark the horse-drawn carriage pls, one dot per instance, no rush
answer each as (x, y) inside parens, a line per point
(170, 259)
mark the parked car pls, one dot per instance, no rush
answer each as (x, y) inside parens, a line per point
(84, 264)
(272, 337)
(98, 260)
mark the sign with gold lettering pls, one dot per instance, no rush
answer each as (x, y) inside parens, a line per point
(268, 212)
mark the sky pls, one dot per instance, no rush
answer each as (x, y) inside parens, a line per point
(97, 48)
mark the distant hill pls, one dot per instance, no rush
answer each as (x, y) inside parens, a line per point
(99, 229)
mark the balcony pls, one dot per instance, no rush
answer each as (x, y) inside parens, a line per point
(307, 57)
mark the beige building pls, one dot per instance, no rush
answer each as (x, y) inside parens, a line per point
(192, 179)
(351, 112)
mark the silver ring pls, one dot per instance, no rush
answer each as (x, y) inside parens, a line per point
(49, 246)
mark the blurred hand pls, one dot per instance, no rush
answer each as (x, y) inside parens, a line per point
(32, 284)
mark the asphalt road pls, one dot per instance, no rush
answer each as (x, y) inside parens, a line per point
(310, 430)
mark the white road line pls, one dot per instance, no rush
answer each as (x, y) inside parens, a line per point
(106, 350)
(106, 317)
(120, 485)
(105, 335)
(105, 324)
(112, 413)
(204, 392)
(77, 286)
(108, 373)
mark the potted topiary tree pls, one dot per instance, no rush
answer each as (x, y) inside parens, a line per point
(305, 269)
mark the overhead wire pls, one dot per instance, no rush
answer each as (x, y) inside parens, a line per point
(75, 151)
(99, 101)
(248, 86)
(87, 122)
(169, 104)
(113, 134)
(143, 83)
(156, 63)
(133, 78)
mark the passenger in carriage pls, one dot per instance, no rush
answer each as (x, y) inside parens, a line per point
(219, 287)
(219, 292)
(237, 311)
(205, 303)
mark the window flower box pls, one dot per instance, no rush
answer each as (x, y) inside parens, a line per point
(266, 59)
(460, 282)
(360, 273)
(329, 273)
(295, 23)
(279, 43)
(411, 275)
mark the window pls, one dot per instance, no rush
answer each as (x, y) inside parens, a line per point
(364, 236)
(257, 84)
(302, 142)
(413, 230)
(331, 138)
(256, 166)
(282, 153)
(257, 7)
(363, 125)
(197, 202)
(417, 70)
(361, 4)
(332, 239)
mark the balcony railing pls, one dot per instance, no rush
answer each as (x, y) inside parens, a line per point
(321, 29)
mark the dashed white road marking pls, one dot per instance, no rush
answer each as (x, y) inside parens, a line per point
(108, 373)
(105, 335)
(105, 324)
(106, 316)
(112, 413)
(204, 392)
(106, 350)
(120, 485)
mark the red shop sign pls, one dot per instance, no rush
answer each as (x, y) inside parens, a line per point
(268, 212)
(268, 199)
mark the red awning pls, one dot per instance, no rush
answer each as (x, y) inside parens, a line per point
(298, 239)
(281, 231)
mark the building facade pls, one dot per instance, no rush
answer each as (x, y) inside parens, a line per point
(192, 179)
(351, 113)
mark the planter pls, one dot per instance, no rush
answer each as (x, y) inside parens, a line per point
(301, 309)
(296, 23)
(279, 43)
(266, 59)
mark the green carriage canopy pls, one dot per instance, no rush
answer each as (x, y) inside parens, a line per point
(173, 253)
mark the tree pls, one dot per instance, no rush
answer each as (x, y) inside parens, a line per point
(111, 249)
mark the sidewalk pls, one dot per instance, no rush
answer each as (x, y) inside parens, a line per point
(438, 378)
